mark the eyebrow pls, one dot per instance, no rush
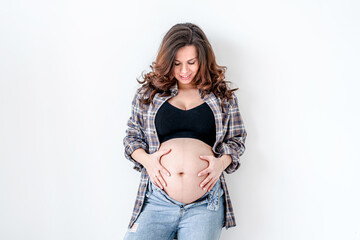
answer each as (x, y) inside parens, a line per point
(187, 60)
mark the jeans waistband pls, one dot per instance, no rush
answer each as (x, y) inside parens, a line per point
(212, 197)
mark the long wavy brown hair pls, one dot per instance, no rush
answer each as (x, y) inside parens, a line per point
(209, 78)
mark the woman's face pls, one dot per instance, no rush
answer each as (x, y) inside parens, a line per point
(186, 65)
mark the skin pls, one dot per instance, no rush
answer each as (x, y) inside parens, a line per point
(186, 64)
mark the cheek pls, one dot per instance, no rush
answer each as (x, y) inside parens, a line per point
(195, 69)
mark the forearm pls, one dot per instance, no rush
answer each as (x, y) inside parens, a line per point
(226, 160)
(140, 155)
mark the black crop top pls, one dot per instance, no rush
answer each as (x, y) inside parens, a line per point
(197, 122)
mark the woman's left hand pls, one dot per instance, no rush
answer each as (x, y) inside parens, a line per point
(214, 170)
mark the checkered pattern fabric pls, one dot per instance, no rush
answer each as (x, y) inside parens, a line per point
(230, 139)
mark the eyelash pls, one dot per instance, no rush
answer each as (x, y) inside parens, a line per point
(177, 64)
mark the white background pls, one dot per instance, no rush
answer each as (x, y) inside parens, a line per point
(68, 72)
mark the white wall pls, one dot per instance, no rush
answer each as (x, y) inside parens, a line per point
(67, 76)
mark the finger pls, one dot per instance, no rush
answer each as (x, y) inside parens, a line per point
(165, 151)
(158, 183)
(164, 171)
(162, 181)
(204, 157)
(154, 182)
(212, 185)
(203, 172)
(204, 183)
(209, 185)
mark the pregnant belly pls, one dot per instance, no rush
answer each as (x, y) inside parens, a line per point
(184, 164)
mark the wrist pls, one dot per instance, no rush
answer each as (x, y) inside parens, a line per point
(225, 160)
(141, 156)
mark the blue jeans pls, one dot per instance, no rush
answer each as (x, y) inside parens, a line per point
(164, 218)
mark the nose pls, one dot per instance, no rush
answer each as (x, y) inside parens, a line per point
(184, 68)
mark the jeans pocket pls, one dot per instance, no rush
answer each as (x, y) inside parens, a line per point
(214, 197)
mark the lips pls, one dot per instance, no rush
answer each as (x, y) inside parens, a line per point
(185, 77)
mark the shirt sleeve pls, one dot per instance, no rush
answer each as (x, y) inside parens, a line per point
(135, 137)
(234, 139)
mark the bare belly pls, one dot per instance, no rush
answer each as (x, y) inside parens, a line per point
(184, 164)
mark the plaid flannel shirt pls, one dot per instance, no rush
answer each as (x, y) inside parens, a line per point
(230, 139)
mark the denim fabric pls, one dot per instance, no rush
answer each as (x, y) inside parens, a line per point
(165, 218)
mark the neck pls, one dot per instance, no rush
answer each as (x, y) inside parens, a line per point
(186, 86)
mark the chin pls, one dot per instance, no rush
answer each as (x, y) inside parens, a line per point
(186, 82)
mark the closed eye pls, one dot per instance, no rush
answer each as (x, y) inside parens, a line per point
(191, 63)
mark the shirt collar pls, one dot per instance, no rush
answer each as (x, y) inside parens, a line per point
(174, 89)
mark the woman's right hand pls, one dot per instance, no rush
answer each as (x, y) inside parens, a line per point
(155, 169)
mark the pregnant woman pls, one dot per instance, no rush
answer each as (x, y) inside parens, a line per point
(184, 131)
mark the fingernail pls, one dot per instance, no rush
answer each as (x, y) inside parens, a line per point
(168, 174)
(199, 175)
(201, 185)
(204, 188)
